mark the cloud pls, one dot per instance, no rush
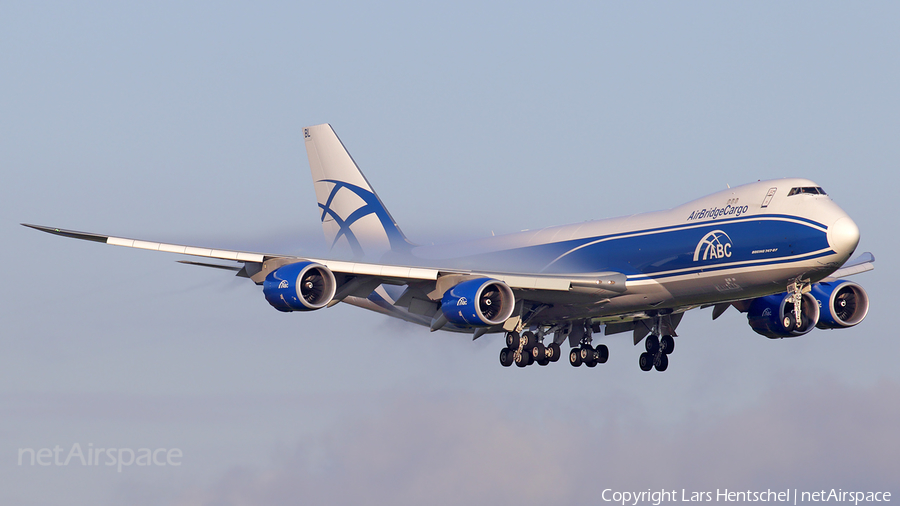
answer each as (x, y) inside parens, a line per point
(473, 449)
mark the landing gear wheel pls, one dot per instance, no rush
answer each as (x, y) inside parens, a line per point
(506, 357)
(646, 361)
(528, 340)
(512, 340)
(538, 352)
(667, 344)
(789, 322)
(575, 357)
(522, 359)
(587, 355)
(553, 352)
(543, 361)
(652, 344)
(662, 362)
(602, 353)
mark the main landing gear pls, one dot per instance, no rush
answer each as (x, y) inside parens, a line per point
(587, 354)
(657, 354)
(526, 349)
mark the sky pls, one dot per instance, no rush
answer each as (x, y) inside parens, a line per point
(181, 122)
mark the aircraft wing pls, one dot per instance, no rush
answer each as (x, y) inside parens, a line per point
(258, 265)
(862, 263)
(238, 256)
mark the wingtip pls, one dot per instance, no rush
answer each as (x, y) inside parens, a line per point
(87, 236)
(42, 228)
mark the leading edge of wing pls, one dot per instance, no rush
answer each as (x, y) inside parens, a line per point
(382, 271)
(863, 263)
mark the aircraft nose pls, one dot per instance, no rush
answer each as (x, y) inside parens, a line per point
(843, 236)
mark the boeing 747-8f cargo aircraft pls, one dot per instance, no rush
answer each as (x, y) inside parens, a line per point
(775, 250)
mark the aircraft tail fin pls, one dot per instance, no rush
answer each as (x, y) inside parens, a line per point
(352, 215)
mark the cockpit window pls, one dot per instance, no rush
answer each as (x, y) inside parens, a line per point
(808, 190)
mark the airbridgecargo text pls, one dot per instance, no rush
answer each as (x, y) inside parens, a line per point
(657, 497)
(717, 212)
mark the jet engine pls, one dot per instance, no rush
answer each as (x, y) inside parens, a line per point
(773, 316)
(302, 286)
(844, 304)
(480, 302)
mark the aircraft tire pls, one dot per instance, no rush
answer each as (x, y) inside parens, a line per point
(789, 322)
(602, 354)
(646, 361)
(529, 340)
(555, 352)
(521, 359)
(506, 357)
(586, 352)
(667, 344)
(512, 340)
(661, 362)
(652, 344)
(539, 352)
(543, 361)
(575, 357)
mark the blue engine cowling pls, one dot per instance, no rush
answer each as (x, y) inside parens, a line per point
(773, 316)
(843, 303)
(303, 286)
(480, 302)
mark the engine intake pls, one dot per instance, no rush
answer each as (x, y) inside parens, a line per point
(773, 316)
(844, 304)
(302, 286)
(480, 302)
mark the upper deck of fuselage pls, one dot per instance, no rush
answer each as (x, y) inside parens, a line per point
(761, 198)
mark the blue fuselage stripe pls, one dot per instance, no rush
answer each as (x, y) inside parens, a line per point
(676, 250)
(740, 265)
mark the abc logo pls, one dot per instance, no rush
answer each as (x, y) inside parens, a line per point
(715, 244)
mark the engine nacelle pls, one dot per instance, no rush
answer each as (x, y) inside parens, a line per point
(773, 316)
(303, 286)
(843, 303)
(480, 302)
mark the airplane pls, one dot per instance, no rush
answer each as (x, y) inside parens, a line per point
(775, 250)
